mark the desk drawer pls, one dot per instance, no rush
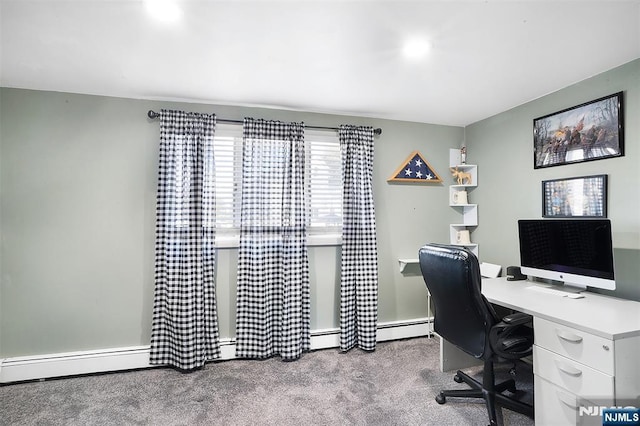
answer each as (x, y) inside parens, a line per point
(555, 406)
(573, 376)
(593, 351)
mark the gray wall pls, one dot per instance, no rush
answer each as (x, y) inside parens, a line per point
(77, 211)
(510, 189)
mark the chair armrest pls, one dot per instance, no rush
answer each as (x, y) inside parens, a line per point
(518, 318)
(513, 344)
(512, 338)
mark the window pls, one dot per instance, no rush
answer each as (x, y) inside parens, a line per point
(227, 151)
(323, 177)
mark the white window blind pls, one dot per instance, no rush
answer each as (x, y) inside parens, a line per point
(227, 150)
(323, 178)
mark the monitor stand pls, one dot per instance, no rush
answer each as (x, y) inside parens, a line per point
(557, 287)
(568, 287)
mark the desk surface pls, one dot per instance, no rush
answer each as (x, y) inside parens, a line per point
(604, 316)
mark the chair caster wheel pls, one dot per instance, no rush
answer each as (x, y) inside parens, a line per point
(457, 379)
(440, 399)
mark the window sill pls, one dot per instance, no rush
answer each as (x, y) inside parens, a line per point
(233, 241)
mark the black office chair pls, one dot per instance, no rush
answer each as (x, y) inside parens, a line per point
(465, 318)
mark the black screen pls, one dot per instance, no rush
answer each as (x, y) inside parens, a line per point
(575, 246)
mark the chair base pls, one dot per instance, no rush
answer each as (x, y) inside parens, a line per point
(492, 394)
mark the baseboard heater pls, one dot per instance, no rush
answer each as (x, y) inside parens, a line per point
(38, 367)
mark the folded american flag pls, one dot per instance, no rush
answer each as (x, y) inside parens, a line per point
(415, 169)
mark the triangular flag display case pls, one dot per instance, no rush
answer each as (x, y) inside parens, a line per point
(415, 169)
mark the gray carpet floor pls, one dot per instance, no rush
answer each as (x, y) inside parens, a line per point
(394, 385)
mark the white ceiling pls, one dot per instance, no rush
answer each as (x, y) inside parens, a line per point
(340, 57)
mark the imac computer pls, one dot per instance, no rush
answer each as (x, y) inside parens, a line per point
(576, 252)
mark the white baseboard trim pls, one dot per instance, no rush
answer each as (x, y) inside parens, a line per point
(73, 363)
(37, 367)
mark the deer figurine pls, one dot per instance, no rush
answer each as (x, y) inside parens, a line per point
(462, 177)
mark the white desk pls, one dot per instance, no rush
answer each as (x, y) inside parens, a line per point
(586, 351)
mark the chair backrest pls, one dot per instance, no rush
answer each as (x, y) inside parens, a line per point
(462, 315)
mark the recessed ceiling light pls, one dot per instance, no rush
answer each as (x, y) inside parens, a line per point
(416, 48)
(164, 10)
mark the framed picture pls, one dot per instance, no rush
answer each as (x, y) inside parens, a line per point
(591, 131)
(584, 196)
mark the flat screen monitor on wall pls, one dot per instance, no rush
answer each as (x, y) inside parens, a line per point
(576, 252)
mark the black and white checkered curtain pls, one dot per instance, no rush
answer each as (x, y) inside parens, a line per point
(359, 276)
(273, 306)
(185, 326)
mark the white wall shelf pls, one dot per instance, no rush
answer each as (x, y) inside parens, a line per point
(402, 263)
(469, 211)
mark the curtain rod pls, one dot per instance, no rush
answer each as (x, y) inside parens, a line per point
(153, 115)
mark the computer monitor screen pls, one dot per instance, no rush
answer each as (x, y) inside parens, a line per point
(577, 252)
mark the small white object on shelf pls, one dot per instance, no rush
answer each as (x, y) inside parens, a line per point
(490, 270)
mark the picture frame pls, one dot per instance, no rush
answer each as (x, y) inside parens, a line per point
(591, 131)
(584, 196)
